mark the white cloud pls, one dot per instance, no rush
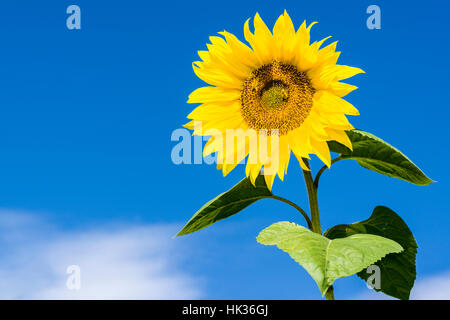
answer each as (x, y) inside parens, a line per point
(436, 287)
(431, 287)
(132, 262)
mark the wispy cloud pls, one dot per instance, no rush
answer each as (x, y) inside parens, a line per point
(431, 287)
(132, 262)
(435, 287)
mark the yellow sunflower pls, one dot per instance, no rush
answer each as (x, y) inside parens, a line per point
(284, 90)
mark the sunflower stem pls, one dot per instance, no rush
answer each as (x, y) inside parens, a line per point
(329, 295)
(319, 173)
(313, 203)
(314, 208)
(303, 213)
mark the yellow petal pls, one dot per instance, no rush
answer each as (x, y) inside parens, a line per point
(210, 147)
(341, 89)
(213, 94)
(344, 72)
(284, 155)
(253, 171)
(303, 164)
(322, 151)
(215, 78)
(269, 180)
(261, 40)
(189, 125)
(325, 101)
(284, 38)
(240, 50)
(340, 136)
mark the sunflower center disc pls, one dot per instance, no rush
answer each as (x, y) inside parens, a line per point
(276, 96)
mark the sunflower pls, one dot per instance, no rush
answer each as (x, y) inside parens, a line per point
(282, 89)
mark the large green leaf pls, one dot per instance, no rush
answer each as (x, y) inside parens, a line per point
(397, 270)
(227, 204)
(327, 260)
(377, 155)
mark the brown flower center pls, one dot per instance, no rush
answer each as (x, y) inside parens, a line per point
(276, 96)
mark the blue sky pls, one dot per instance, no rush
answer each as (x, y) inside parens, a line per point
(85, 127)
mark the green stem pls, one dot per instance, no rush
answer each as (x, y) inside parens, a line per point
(329, 295)
(319, 173)
(314, 207)
(313, 203)
(303, 213)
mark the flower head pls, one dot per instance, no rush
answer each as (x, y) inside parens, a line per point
(279, 95)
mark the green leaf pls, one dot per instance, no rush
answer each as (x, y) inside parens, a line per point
(227, 204)
(398, 270)
(377, 155)
(327, 260)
